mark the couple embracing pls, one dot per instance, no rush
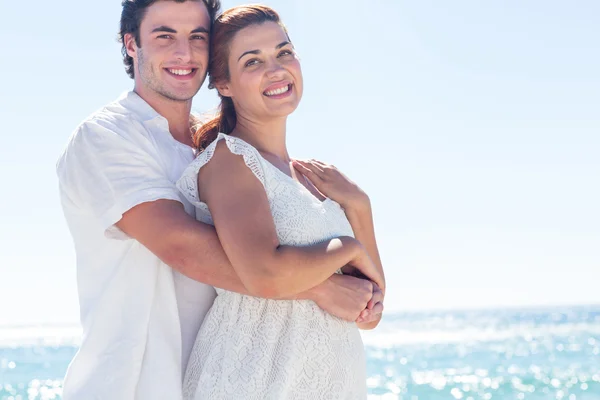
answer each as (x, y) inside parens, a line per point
(210, 264)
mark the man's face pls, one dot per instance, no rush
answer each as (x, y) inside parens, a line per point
(172, 58)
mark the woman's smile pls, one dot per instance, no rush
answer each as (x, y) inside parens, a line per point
(279, 90)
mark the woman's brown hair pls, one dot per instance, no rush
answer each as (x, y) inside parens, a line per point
(224, 29)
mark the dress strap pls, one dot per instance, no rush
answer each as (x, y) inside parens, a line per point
(188, 183)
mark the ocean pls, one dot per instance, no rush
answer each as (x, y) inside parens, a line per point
(546, 353)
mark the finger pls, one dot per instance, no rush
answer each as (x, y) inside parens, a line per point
(378, 309)
(329, 169)
(316, 165)
(369, 318)
(312, 175)
(377, 295)
(363, 316)
(314, 168)
(307, 172)
(308, 165)
(371, 303)
(375, 314)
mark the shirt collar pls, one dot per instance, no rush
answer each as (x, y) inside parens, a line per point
(132, 101)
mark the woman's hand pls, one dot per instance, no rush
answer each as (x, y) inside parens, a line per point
(362, 266)
(333, 184)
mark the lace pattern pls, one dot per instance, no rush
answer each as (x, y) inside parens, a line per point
(252, 348)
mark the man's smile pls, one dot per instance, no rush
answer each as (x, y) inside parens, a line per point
(182, 73)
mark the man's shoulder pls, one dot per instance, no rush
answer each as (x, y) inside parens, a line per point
(116, 117)
(113, 123)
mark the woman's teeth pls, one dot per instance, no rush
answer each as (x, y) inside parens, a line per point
(278, 91)
(180, 71)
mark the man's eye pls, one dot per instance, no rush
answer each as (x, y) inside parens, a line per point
(198, 37)
(164, 37)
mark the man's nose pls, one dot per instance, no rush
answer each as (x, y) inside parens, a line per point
(183, 52)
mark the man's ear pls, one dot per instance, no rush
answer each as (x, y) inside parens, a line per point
(224, 89)
(130, 45)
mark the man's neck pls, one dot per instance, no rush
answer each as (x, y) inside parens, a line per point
(177, 114)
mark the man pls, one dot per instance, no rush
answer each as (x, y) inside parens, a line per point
(145, 266)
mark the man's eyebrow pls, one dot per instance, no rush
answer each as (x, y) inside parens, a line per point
(200, 29)
(280, 45)
(163, 28)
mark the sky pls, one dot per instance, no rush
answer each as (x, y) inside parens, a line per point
(473, 126)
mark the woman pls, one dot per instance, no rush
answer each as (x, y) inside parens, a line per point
(279, 232)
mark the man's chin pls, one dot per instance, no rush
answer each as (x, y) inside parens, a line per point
(181, 96)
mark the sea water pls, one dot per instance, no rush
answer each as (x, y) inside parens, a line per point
(551, 353)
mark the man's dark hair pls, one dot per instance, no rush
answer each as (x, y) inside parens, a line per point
(131, 19)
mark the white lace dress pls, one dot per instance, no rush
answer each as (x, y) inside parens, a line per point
(252, 348)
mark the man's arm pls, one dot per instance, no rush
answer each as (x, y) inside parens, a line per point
(186, 245)
(193, 248)
(127, 197)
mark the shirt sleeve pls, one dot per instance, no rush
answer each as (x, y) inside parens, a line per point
(107, 172)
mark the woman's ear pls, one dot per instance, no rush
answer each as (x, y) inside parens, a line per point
(224, 89)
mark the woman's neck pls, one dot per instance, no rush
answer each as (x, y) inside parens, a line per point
(265, 136)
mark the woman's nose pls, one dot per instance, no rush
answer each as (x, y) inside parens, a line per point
(274, 68)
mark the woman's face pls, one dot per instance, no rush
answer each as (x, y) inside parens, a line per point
(265, 75)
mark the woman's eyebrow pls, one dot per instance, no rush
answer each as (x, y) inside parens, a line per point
(249, 52)
(280, 45)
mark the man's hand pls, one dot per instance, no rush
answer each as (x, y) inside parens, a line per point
(346, 297)
(374, 308)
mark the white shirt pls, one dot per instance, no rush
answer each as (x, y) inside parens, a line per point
(139, 316)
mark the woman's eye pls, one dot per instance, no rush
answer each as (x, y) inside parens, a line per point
(252, 62)
(285, 53)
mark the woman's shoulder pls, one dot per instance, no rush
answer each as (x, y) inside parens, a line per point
(225, 156)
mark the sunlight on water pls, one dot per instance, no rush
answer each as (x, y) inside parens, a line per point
(499, 354)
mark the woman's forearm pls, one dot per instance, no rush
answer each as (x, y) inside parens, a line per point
(292, 270)
(361, 220)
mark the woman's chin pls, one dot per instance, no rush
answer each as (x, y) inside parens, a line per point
(283, 110)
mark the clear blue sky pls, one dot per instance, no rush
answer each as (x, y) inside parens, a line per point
(474, 126)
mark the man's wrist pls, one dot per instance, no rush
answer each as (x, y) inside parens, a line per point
(315, 294)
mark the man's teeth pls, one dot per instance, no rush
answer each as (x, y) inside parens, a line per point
(180, 71)
(278, 91)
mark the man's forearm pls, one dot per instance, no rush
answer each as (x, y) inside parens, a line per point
(201, 257)
(198, 254)
(343, 296)
(188, 246)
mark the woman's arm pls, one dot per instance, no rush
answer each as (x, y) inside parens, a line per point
(357, 205)
(361, 219)
(243, 221)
